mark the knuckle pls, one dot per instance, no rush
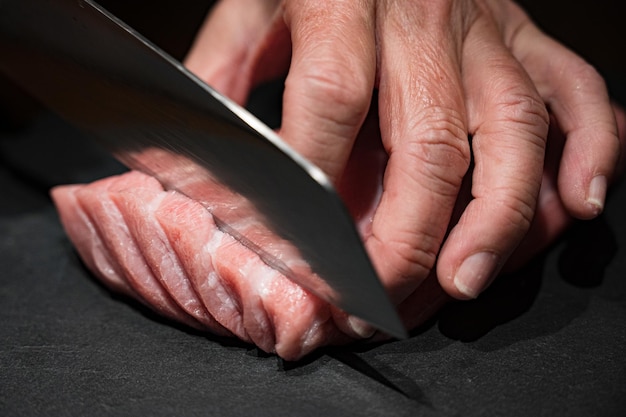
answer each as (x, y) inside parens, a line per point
(340, 83)
(404, 260)
(519, 209)
(520, 105)
(525, 112)
(441, 148)
(336, 91)
(585, 73)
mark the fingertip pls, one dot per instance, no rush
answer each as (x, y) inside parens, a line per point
(352, 326)
(597, 189)
(474, 275)
(360, 327)
(585, 175)
(596, 195)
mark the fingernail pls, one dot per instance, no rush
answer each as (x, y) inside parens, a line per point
(475, 273)
(360, 327)
(597, 193)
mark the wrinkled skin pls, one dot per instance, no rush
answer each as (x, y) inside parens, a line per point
(551, 219)
(444, 71)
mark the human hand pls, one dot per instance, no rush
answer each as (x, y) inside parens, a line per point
(444, 70)
(550, 221)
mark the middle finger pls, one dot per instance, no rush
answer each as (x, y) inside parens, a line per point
(423, 129)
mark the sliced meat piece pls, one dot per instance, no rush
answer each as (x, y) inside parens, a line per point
(240, 291)
(87, 241)
(167, 251)
(194, 238)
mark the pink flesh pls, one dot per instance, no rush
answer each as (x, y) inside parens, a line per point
(166, 250)
(87, 240)
(138, 207)
(105, 216)
(231, 209)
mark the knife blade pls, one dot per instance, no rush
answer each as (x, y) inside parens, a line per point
(157, 117)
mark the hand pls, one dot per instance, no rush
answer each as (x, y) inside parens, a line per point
(551, 219)
(444, 71)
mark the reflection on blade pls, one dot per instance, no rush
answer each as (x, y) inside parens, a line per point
(232, 212)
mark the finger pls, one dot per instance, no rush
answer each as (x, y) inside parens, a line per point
(509, 124)
(422, 120)
(233, 39)
(330, 82)
(552, 218)
(577, 96)
(620, 116)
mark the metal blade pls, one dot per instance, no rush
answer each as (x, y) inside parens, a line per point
(156, 117)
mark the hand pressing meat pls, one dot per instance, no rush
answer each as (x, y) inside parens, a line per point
(165, 250)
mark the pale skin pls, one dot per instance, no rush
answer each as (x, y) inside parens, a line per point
(444, 71)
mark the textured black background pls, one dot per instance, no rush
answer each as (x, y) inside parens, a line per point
(546, 341)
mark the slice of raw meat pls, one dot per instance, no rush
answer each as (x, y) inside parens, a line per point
(165, 249)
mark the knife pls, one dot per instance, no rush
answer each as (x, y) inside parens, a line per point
(155, 116)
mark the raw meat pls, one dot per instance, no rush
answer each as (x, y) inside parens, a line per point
(165, 250)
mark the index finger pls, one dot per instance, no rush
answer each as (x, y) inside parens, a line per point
(331, 79)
